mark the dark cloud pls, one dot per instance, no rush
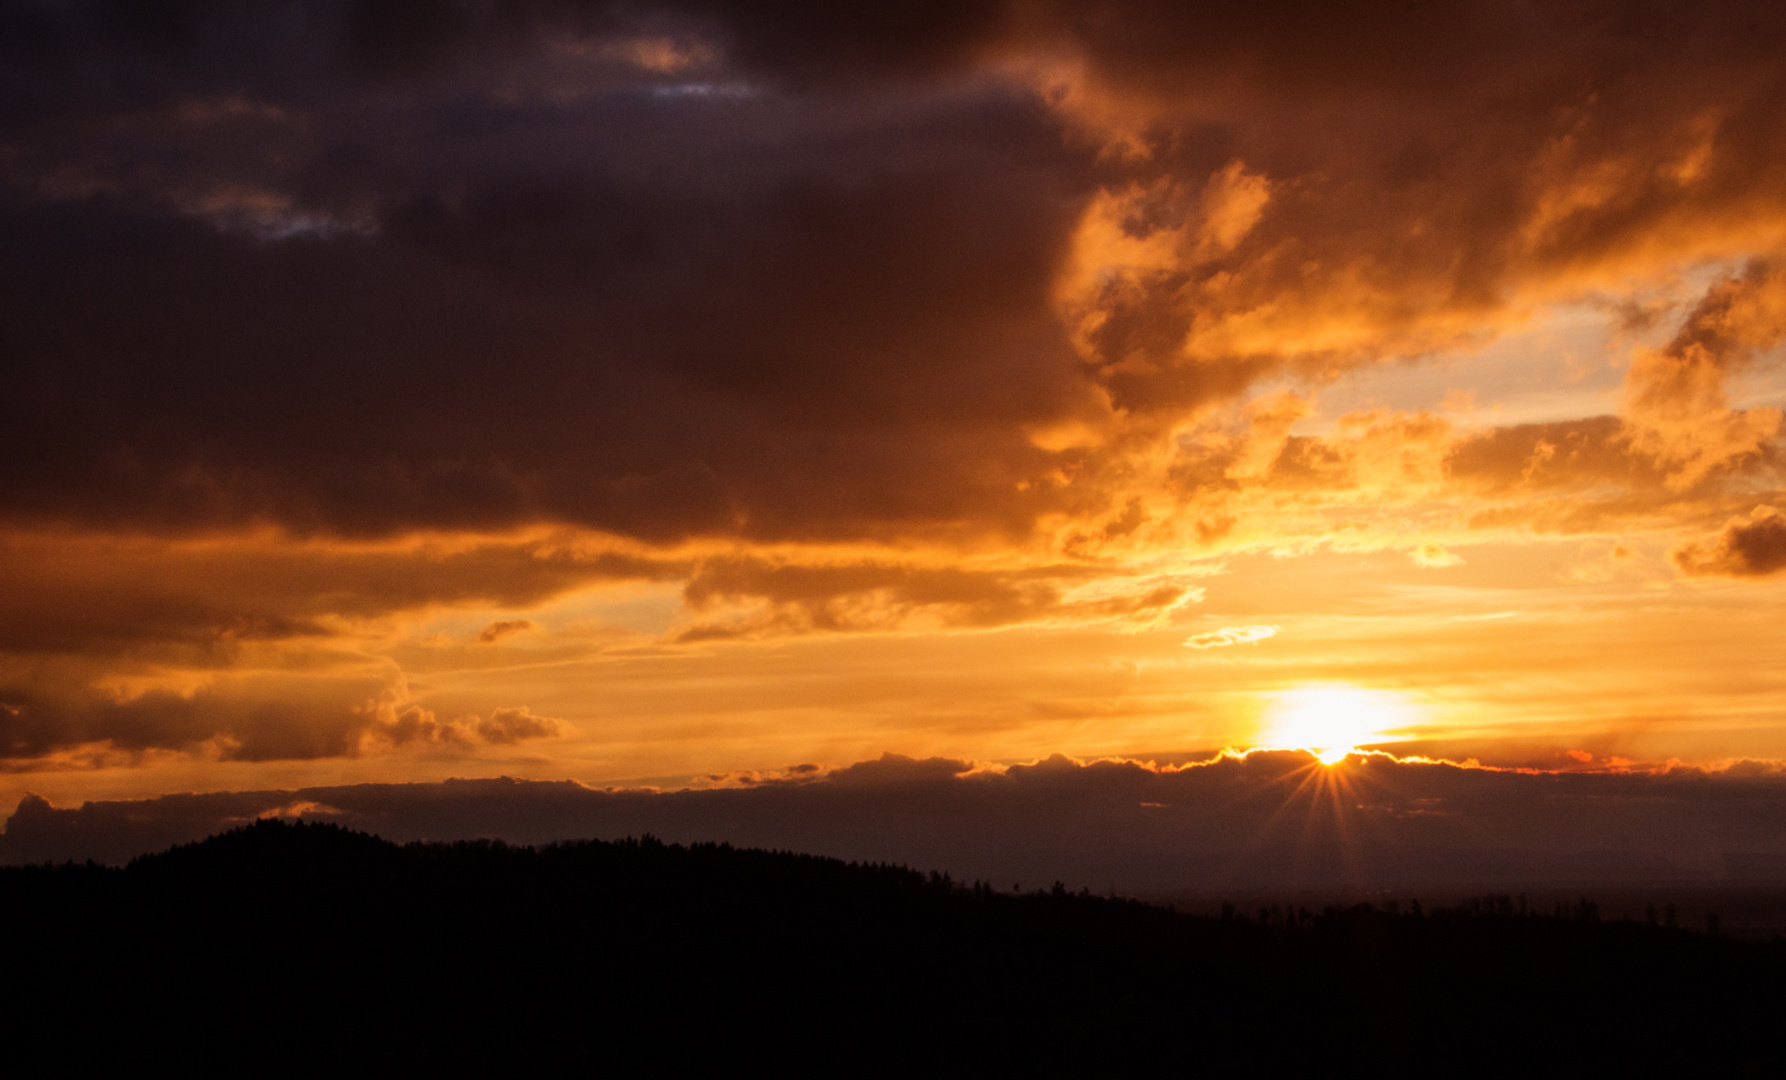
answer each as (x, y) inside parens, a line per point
(99, 596)
(1749, 546)
(251, 649)
(502, 628)
(769, 270)
(304, 708)
(324, 304)
(503, 727)
(1565, 455)
(249, 717)
(809, 43)
(1268, 820)
(1736, 318)
(779, 598)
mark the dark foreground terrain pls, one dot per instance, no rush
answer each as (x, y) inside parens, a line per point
(279, 946)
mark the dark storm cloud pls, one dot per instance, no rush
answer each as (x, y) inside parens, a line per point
(466, 295)
(1266, 820)
(771, 270)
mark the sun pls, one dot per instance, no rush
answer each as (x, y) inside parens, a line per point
(1331, 721)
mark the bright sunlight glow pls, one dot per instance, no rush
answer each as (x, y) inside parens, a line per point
(1331, 721)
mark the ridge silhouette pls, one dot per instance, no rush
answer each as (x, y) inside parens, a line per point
(307, 945)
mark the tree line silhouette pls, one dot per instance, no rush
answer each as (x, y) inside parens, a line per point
(307, 945)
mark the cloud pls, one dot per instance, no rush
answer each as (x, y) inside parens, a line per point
(1676, 398)
(418, 725)
(1263, 820)
(325, 706)
(503, 628)
(1750, 546)
(833, 314)
(1547, 458)
(503, 727)
(833, 310)
(94, 593)
(1230, 635)
(1431, 556)
(253, 649)
(326, 320)
(246, 716)
(767, 598)
(509, 726)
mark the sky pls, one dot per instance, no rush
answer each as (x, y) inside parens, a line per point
(682, 394)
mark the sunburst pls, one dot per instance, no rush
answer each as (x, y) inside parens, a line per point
(1332, 720)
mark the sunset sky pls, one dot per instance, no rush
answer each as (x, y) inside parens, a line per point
(678, 393)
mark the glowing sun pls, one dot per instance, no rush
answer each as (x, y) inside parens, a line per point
(1331, 721)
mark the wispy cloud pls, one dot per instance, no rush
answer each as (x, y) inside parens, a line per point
(1230, 635)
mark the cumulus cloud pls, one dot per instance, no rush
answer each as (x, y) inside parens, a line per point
(502, 727)
(1230, 635)
(510, 726)
(1750, 546)
(418, 725)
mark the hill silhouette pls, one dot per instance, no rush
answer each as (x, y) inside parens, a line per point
(287, 946)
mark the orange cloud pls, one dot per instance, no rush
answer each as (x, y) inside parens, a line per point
(763, 598)
(1432, 555)
(1751, 546)
(510, 726)
(1676, 400)
(1230, 635)
(503, 628)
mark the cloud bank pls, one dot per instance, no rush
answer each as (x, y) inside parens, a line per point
(1265, 820)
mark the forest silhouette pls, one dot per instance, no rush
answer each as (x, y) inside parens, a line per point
(308, 945)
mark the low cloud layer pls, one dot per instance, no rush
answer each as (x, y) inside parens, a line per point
(1267, 820)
